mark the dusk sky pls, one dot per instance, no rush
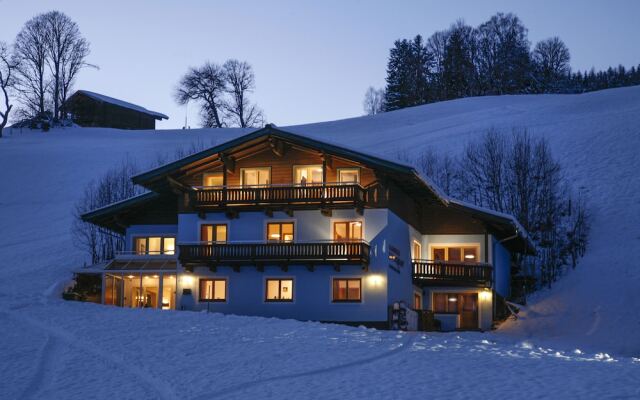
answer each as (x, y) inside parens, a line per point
(313, 61)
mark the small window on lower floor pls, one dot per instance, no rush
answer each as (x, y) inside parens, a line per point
(279, 290)
(213, 290)
(417, 301)
(347, 290)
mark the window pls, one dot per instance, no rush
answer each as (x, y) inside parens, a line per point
(347, 231)
(349, 175)
(213, 233)
(456, 253)
(417, 301)
(255, 176)
(280, 232)
(155, 245)
(213, 179)
(347, 290)
(416, 250)
(445, 303)
(279, 290)
(213, 290)
(307, 174)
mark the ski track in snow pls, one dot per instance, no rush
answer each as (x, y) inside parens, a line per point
(41, 379)
(327, 370)
(47, 359)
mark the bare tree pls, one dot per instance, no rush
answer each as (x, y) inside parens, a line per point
(240, 82)
(206, 85)
(8, 65)
(66, 53)
(31, 51)
(551, 59)
(373, 102)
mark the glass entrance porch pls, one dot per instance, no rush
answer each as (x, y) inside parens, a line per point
(140, 290)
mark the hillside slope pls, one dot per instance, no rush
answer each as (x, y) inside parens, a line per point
(59, 349)
(596, 136)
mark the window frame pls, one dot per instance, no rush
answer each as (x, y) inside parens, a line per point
(347, 300)
(357, 169)
(162, 237)
(279, 299)
(213, 300)
(413, 248)
(280, 223)
(293, 173)
(208, 174)
(461, 246)
(213, 231)
(418, 295)
(349, 239)
(447, 302)
(242, 171)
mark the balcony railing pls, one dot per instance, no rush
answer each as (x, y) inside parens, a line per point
(353, 252)
(430, 272)
(329, 194)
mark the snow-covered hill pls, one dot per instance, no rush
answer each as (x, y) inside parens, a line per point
(58, 349)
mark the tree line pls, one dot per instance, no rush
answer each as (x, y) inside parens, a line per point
(518, 175)
(494, 58)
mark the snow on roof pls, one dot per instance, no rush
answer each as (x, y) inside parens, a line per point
(121, 103)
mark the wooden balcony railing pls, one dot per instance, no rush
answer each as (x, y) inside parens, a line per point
(430, 272)
(353, 252)
(335, 194)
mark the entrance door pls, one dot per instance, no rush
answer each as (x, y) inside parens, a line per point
(469, 311)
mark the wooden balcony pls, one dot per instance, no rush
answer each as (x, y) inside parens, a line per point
(282, 254)
(446, 273)
(330, 195)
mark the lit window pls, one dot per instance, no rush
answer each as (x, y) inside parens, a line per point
(279, 290)
(169, 245)
(155, 245)
(255, 176)
(347, 231)
(456, 253)
(213, 233)
(213, 179)
(213, 289)
(307, 174)
(280, 232)
(349, 175)
(347, 290)
(416, 250)
(417, 301)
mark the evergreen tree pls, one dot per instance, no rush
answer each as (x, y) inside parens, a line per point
(458, 75)
(407, 74)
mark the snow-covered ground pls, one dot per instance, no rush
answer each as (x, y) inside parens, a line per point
(55, 349)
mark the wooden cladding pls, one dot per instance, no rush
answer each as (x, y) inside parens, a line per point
(264, 253)
(434, 272)
(352, 195)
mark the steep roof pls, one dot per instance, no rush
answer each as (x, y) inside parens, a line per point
(119, 103)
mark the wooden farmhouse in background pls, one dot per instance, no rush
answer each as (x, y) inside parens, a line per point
(89, 109)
